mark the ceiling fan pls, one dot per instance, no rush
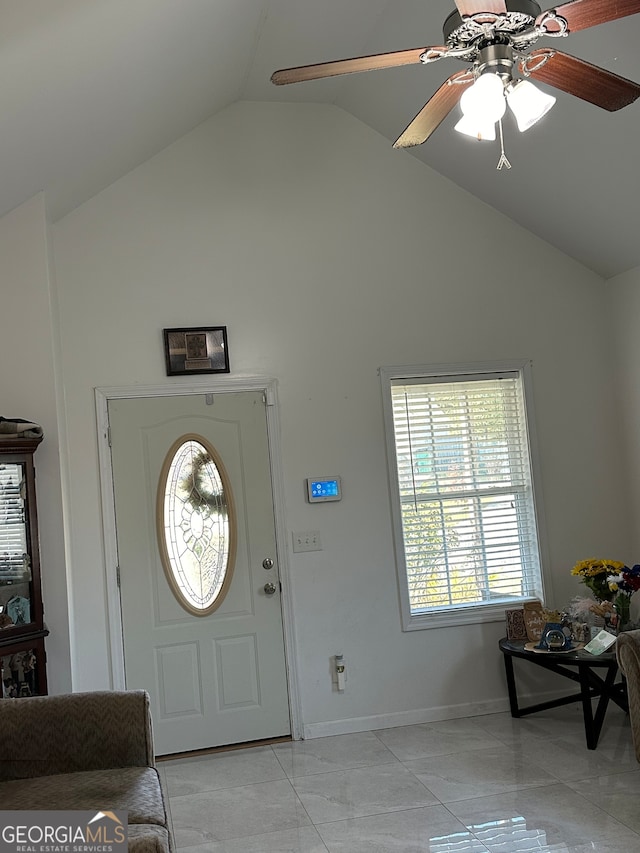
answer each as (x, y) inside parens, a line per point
(496, 37)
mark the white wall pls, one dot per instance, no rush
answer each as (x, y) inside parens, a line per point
(28, 390)
(328, 254)
(624, 294)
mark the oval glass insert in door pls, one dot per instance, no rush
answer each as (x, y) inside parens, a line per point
(196, 524)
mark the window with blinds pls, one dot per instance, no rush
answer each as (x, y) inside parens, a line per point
(13, 544)
(466, 532)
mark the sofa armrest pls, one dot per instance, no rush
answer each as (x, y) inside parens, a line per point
(628, 654)
(48, 735)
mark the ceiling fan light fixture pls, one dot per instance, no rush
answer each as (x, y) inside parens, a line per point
(528, 103)
(484, 101)
(495, 37)
(482, 130)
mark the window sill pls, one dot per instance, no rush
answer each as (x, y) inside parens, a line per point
(467, 616)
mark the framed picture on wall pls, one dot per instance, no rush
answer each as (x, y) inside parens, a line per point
(198, 350)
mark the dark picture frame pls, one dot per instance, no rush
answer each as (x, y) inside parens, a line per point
(189, 351)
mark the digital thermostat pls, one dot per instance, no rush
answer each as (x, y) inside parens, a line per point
(323, 489)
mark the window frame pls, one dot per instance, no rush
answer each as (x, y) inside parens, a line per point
(474, 613)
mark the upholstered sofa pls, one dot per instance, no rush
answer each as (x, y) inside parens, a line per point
(85, 751)
(628, 653)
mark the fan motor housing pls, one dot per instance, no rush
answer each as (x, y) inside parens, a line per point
(497, 58)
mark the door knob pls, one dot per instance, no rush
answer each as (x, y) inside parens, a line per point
(269, 588)
(267, 563)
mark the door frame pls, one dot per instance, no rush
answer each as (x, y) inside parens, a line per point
(268, 387)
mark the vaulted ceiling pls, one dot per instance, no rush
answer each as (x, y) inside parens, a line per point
(89, 89)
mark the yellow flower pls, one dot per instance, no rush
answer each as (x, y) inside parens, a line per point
(592, 567)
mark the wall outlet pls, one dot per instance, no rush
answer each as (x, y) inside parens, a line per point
(307, 540)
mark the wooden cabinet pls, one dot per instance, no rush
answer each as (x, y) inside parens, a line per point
(22, 628)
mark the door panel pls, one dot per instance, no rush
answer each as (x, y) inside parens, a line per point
(215, 679)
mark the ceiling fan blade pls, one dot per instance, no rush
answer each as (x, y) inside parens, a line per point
(473, 7)
(350, 66)
(580, 78)
(434, 111)
(581, 14)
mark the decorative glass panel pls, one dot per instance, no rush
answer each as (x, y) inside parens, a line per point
(15, 563)
(13, 533)
(196, 525)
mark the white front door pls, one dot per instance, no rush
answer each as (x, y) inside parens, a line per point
(214, 679)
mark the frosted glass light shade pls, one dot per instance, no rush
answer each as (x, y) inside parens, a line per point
(528, 103)
(484, 101)
(478, 129)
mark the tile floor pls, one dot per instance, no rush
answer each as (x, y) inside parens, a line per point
(475, 785)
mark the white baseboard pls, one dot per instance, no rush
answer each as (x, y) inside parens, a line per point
(419, 715)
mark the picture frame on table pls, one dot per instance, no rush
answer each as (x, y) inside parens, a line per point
(516, 628)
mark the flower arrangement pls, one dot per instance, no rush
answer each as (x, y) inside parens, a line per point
(612, 584)
(595, 575)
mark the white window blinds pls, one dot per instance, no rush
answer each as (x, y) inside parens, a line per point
(466, 499)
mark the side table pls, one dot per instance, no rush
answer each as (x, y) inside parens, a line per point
(579, 666)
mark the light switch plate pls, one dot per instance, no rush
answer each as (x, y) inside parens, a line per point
(306, 540)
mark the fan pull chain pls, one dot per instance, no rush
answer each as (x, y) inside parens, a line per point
(502, 162)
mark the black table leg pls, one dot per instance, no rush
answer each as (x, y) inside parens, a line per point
(511, 686)
(592, 685)
(587, 710)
